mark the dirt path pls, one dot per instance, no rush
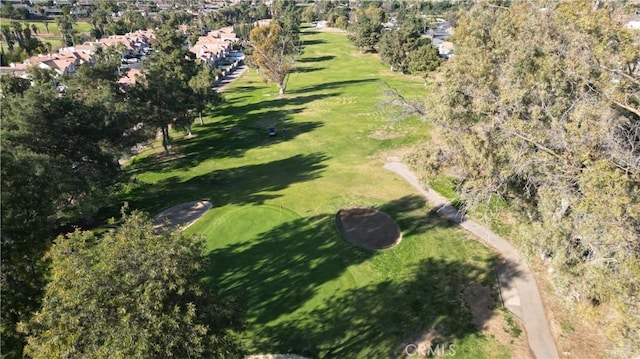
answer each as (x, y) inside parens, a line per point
(517, 284)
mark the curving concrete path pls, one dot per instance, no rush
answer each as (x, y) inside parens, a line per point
(517, 285)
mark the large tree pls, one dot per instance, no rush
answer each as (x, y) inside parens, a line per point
(204, 96)
(274, 53)
(365, 34)
(286, 14)
(65, 22)
(424, 60)
(59, 161)
(396, 46)
(131, 294)
(100, 17)
(164, 94)
(541, 107)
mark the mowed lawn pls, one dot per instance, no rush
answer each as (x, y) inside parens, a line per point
(53, 36)
(79, 26)
(272, 242)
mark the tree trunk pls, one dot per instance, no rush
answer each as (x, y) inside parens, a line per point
(165, 140)
(201, 120)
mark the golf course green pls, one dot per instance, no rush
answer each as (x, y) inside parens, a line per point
(272, 240)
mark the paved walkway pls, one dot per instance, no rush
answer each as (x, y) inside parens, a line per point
(517, 285)
(222, 85)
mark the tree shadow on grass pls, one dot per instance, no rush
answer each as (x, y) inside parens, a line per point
(301, 70)
(245, 88)
(330, 85)
(248, 109)
(239, 185)
(382, 319)
(227, 100)
(240, 128)
(317, 59)
(281, 269)
(313, 42)
(411, 214)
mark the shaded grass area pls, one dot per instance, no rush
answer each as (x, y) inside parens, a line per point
(310, 292)
(380, 319)
(236, 185)
(271, 237)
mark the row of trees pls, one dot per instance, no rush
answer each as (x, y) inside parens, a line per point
(24, 36)
(404, 51)
(60, 163)
(238, 14)
(541, 108)
(103, 24)
(400, 47)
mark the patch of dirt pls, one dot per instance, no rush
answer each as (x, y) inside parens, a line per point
(575, 337)
(329, 29)
(498, 328)
(420, 344)
(479, 300)
(182, 215)
(368, 228)
(385, 135)
(492, 323)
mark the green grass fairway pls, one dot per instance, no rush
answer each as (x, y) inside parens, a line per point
(80, 26)
(272, 241)
(53, 36)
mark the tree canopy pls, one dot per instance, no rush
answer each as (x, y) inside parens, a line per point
(396, 46)
(424, 60)
(274, 53)
(365, 34)
(541, 107)
(59, 164)
(164, 94)
(65, 22)
(131, 294)
(61, 150)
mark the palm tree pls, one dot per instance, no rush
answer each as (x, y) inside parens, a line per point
(7, 36)
(65, 24)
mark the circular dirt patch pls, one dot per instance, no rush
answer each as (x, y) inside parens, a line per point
(182, 215)
(368, 228)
